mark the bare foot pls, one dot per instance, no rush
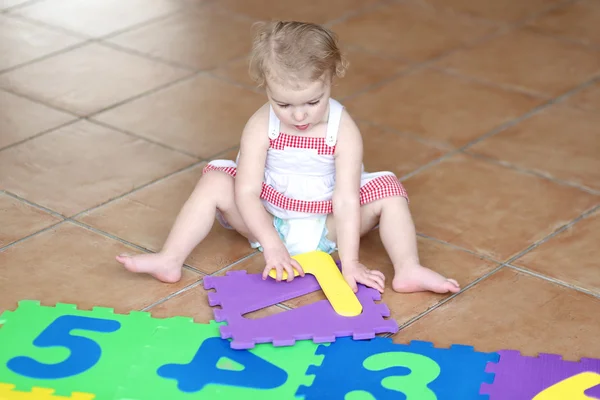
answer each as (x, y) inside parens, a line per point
(416, 278)
(163, 268)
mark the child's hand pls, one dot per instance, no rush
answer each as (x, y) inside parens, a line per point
(279, 258)
(357, 273)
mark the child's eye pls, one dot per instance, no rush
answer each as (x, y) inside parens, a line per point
(314, 103)
(283, 105)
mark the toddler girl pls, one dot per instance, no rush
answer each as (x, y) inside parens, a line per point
(298, 183)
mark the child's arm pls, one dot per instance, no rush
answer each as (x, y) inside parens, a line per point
(248, 186)
(346, 204)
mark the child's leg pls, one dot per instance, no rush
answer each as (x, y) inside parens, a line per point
(399, 238)
(195, 220)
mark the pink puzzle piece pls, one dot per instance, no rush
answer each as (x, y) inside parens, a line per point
(239, 293)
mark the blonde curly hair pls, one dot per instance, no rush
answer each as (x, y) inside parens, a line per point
(299, 49)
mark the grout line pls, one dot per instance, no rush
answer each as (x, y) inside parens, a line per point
(67, 49)
(32, 204)
(554, 280)
(553, 234)
(157, 180)
(419, 65)
(137, 189)
(473, 253)
(40, 101)
(48, 228)
(126, 242)
(447, 299)
(139, 136)
(37, 135)
(440, 145)
(45, 25)
(490, 84)
(228, 267)
(191, 75)
(499, 31)
(174, 294)
(148, 56)
(430, 164)
(139, 25)
(539, 174)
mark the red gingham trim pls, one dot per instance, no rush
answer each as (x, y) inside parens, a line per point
(228, 170)
(302, 142)
(378, 188)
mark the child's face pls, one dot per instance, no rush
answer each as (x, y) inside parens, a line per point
(299, 105)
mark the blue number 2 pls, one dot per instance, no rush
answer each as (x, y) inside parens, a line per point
(85, 352)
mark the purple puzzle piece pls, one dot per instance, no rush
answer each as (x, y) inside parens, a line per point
(594, 392)
(239, 293)
(519, 377)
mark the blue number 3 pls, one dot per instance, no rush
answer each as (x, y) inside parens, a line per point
(85, 352)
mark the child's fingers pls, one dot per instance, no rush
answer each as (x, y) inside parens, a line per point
(266, 271)
(352, 283)
(298, 267)
(378, 273)
(378, 281)
(290, 272)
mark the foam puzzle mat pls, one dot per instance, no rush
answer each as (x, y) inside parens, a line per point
(62, 352)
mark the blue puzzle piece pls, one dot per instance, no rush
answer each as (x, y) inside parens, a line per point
(202, 370)
(417, 371)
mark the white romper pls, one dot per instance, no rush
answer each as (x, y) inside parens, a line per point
(299, 180)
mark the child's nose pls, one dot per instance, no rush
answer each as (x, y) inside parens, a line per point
(299, 115)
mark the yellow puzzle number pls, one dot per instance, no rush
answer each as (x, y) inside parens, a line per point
(572, 388)
(336, 289)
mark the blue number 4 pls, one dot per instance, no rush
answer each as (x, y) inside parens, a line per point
(85, 352)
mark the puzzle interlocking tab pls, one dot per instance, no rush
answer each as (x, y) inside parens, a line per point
(397, 371)
(86, 351)
(7, 392)
(239, 293)
(520, 377)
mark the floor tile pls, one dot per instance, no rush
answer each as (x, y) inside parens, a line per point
(502, 11)
(308, 10)
(365, 69)
(441, 107)
(82, 165)
(444, 259)
(193, 303)
(202, 39)
(22, 41)
(89, 79)
(203, 116)
(146, 217)
(70, 264)
(571, 256)
(388, 151)
(512, 310)
(21, 118)
(578, 21)
(490, 209)
(540, 143)
(409, 30)
(529, 61)
(96, 17)
(588, 98)
(19, 220)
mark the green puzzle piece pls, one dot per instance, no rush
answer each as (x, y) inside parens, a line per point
(177, 345)
(133, 348)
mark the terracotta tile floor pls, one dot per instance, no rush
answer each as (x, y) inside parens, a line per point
(488, 110)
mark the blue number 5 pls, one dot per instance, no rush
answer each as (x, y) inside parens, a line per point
(85, 352)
